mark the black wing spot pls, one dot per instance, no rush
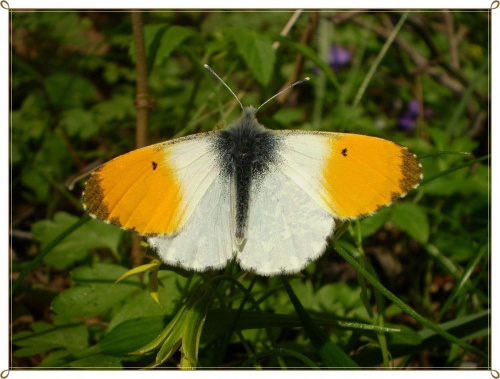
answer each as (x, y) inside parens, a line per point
(154, 165)
(344, 152)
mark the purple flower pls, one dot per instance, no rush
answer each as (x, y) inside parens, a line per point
(337, 58)
(407, 120)
(414, 107)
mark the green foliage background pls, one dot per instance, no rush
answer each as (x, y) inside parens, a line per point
(73, 90)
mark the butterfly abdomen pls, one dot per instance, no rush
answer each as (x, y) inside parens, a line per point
(246, 150)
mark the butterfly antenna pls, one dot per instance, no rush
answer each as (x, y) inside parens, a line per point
(223, 82)
(280, 92)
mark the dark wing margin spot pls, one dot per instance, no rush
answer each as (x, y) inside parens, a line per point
(154, 164)
(93, 197)
(344, 152)
(411, 169)
(116, 221)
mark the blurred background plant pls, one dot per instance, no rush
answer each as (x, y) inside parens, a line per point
(419, 79)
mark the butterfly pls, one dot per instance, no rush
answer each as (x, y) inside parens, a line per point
(269, 198)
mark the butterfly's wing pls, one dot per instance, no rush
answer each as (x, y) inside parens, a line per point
(287, 229)
(167, 190)
(319, 176)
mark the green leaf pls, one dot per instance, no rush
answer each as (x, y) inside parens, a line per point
(137, 270)
(173, 339)
(153, 286)
(97, 361)
(257, 52)
(46, 337)
(68, 91)
(131, 335)
(369, 225)
(94, 234)
(195, 319)
(142, 304)
(412, 219)
(170, 40)
(79, 123)
(94, 291)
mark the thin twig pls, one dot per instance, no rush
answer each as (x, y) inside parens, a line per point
(288, 26)
(452, 40)
(418, 59)
(379, 58)
(299, 58)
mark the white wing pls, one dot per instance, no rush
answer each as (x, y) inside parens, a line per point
(287, 229)
(206, 240)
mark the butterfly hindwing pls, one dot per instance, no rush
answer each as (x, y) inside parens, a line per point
(287, 229)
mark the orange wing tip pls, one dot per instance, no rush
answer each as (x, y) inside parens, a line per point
(403, 167)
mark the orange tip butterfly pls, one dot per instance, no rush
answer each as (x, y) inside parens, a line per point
(268, 198)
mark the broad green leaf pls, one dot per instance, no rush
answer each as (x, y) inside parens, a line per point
(50, 163)
(119, 108)
(257, 52)
(94, 234)
(142, 305)
(131, 335)
(339, 299)
(45, 337)
(79, 123)
(369, 225)
(412, 219)
(94, 292)
(68, 91)
(97, 361)
(170, 40)
(87, 359)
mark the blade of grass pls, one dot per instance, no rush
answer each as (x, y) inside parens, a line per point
(402, 305)
(377, 319)
(311, 54)
(332, 355)
(320, 82)
(377, 61)
(453, 127)
(439, 153)
(446, 172)
(475, 325)
(46, 250)
(461, 283)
